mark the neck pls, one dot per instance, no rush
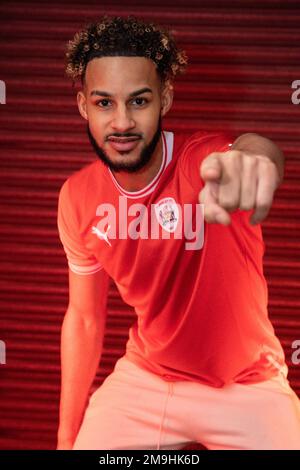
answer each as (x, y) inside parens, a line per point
(141, 178)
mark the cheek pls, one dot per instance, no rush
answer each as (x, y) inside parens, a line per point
(152, 118)
(95, 114)
(97, 131)
(97, 121)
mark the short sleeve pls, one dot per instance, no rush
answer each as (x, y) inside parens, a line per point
(198, 147)
(80, 259)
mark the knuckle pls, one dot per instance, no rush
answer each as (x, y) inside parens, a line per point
(264, 158)
(234, 153)
(229, 205)
(249, 161)
(247, 201)
(233, 156)
(229, 199)
(246, 206)
(267, 164)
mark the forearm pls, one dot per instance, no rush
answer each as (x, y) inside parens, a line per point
(257, 144)
(81, 347)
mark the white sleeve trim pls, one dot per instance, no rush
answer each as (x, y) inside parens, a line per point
(85, 269)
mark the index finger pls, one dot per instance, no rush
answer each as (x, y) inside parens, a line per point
(211, 168)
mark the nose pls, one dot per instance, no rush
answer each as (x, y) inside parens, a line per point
(122, 120)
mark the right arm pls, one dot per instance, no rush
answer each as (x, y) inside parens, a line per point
(81, 348)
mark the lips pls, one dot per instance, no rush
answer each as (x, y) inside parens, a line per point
(124, 143)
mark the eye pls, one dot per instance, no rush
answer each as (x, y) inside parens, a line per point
(103, 103)
(140, 101)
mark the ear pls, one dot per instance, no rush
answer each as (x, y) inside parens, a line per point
(81, 102)
(166, 98)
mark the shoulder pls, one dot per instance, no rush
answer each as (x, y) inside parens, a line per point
(195, 147)
(81, 182)
(80, 179)
(198, 145)
(208, 141)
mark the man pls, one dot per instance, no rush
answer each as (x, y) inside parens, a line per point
(202, 361)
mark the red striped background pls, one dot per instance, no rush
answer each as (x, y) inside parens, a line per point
(244, 56)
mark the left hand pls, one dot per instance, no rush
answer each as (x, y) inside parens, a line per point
(237, 180)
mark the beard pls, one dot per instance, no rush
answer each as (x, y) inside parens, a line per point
(127, 166)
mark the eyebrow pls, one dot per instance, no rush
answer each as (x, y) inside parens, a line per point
(108, 95)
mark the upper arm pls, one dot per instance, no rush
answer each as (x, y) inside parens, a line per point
(80, 259)
(88, 294)
(88, 282)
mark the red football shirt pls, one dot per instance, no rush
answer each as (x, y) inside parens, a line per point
(198, 289)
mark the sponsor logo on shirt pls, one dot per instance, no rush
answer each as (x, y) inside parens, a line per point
(167, 214)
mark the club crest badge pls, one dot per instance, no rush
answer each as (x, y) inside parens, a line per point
(167, 214)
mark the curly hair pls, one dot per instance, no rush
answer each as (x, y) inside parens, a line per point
(117, 36)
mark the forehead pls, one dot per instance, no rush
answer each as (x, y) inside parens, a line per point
(122, 73)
